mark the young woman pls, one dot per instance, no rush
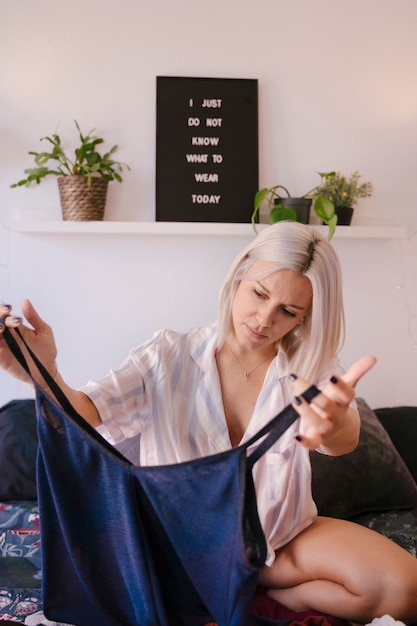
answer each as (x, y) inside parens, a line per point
(197, 393)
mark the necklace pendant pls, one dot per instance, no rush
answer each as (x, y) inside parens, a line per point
(246, 374)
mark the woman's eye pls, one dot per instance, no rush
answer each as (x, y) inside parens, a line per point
(258, 294)
(288, 313)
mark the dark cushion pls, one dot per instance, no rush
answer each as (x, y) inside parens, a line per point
(372, 478)
(18, 448)
(401, 424)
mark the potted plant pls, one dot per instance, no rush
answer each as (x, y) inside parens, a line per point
(295, 209)
(82, 179)
(343, 192)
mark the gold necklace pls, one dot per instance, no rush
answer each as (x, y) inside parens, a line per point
(245, 372)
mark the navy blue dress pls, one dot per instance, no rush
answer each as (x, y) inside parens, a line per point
(174, 545)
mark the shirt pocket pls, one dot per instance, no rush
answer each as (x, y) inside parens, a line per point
(278, 467)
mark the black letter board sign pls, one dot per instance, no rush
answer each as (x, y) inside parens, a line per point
(206, 149)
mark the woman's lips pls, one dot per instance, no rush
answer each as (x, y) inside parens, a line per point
(253, 333)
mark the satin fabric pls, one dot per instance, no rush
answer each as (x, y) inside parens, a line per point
(174, 545)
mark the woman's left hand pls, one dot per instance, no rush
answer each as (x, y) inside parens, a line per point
(329, 422)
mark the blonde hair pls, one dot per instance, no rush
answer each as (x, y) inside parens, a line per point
(311, 346)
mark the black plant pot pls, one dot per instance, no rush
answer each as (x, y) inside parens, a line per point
(301, 206)
(344, 215)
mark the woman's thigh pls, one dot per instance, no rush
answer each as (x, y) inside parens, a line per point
(357, 563)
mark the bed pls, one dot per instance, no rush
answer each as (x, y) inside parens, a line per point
(375, 486)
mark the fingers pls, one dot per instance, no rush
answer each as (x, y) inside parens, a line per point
(5, 309)
(340, 389)
(7, 320)
(359, 369)
(32, 316)
(37, 336)
(315, 425)
(30, 313)
(328, 410)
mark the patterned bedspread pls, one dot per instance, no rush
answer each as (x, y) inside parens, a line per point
(400, 526)
(20, 563)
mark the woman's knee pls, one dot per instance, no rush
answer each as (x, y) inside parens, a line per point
(401, 593)
(372, 575)
(392, 592)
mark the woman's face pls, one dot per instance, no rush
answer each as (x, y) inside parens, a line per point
(266, 309)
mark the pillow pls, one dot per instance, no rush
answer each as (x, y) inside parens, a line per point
(18, 448)
(371, 478)
(401, 425)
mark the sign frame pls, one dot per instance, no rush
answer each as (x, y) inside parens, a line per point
(206, 149)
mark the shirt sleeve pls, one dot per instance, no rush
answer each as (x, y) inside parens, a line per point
(123, 397)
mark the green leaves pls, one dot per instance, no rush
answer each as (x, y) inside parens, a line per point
(323, 207)
(325, 211)
(277, 211)
(343, 191)
(35, 175)
(327, 174)
(332, 226)
(87, 161)
(259, 198)
(280, 213)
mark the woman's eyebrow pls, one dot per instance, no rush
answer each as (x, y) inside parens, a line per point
(293, 306)
(262, 286)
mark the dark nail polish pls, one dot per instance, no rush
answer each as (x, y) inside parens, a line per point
(17, 320)
(7, 307)
(333, 380)
(297, 400)
(293, 376)
(298, 437)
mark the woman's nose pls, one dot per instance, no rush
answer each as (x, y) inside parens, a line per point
(264, 317)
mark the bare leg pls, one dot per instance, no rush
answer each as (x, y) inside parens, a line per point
(345, 570)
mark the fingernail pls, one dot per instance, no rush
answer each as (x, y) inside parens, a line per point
(7, 307)
(333, 379)
(298, 437)
(17, 320)
(293, 376)
(297, 400)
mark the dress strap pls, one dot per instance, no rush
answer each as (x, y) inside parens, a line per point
(276, 427)
(64, 402)
(272, 431)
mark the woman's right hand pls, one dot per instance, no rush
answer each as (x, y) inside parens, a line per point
(40, 338)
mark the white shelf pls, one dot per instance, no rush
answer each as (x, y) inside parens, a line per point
(58, 227)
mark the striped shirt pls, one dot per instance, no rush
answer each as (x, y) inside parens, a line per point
(168, 390)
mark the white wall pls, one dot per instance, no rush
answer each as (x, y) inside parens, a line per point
(337, 90)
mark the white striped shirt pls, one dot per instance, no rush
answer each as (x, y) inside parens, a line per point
(168, 390)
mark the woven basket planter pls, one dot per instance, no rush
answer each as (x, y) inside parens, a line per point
(81, 202)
